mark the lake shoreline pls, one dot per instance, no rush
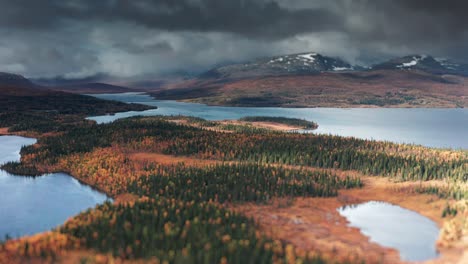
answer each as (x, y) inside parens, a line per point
(340, 106)
(350, 106)
(85, 193)
(373, 217)
(398, 125)
(44, 174)
(306, 220)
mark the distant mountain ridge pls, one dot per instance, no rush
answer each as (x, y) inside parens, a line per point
(13, 81)
(103, 82)
(424, 63)
(315, 63)
(315, 80)
(93, 88)
(19, 95)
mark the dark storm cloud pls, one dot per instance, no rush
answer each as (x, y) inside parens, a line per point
(159, 47)
(422, 19)
(453, 9)
(79, 38)
(253, 18)
(439, 28)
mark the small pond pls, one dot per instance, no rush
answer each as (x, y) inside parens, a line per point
(412, 234)
(31, 205)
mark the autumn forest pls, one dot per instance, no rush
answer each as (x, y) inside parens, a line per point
(179, 185)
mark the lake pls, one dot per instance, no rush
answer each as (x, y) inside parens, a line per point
(412, 234)
(441, 128)
(31, 205)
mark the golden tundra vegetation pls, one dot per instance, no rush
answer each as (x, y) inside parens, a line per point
(186, 190)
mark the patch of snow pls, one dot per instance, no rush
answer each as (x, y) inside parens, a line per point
(280, 59)
(409, 64)
(310, 56)
(414, 62)
(340, 68)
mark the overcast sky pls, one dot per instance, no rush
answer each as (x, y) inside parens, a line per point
(128, 38)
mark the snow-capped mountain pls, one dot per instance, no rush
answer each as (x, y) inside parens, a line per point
(295, 64)
(424, 63)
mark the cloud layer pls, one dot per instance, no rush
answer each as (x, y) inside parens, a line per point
(81, 38)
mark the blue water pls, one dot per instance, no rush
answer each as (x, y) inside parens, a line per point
(412, 234)
(441, 128)
(31, 205)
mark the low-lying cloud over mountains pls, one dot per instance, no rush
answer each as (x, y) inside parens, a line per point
(81, 38)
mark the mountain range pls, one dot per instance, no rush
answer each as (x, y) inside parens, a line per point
(314, 63)
(295, 80)
(315, 80)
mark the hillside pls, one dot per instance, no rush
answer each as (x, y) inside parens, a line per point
(319, 81)
(18, 94)
(8, 79)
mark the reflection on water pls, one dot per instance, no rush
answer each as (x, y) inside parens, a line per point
(10, 147)
(31, 205)
(430, 127)
(412, 234)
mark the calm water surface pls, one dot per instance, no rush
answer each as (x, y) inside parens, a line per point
(412, 234)
(442, 128)
(31, 205)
